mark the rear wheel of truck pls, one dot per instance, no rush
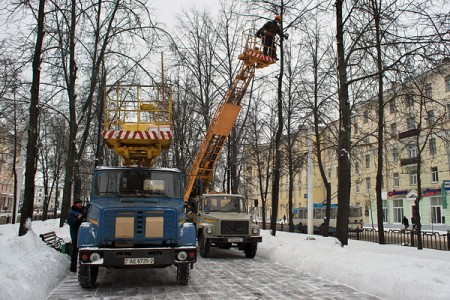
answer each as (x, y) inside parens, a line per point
(204, 245)
(182, 274)
(250, 250)
(87, 276)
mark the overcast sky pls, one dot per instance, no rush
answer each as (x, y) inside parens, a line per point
(168, 9)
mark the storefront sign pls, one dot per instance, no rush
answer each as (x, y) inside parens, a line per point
(397, 193)
(431, 192)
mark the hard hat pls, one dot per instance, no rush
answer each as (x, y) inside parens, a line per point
(278, 18)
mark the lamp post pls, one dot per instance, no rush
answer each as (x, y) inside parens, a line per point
(310, 185)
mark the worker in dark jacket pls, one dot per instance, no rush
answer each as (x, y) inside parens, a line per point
(77, 215)
(267, 33)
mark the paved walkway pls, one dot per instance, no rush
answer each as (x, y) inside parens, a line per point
(225, 275)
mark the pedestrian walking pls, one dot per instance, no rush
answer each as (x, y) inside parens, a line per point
(77, 215)
(405, 222)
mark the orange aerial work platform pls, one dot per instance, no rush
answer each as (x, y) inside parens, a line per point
(137, 122)
(251, 56)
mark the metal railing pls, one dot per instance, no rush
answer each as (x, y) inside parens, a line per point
(431, 240)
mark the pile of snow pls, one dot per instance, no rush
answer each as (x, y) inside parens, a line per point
(31, 270)
(387, 271)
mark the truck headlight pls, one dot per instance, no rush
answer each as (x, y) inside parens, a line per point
(209, 230)
(94, 257)
(182, 255)
(255, 230)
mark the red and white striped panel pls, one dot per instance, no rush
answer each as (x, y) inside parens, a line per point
(261, 56)
(151, 134)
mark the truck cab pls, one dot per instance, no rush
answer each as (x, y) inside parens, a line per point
(136, 218)
(224, 221)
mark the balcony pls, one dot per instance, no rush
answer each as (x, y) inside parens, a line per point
(409, 161)
(408, 133)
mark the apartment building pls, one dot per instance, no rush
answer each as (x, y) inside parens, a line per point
(6, 182)
(417, 146)
(39, 199)
(259, 178)
(417, 126)
(6, 174)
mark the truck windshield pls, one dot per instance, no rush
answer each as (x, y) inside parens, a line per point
(224, 204)
(137, 183)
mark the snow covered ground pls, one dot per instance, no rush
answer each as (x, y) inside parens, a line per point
(31, 270)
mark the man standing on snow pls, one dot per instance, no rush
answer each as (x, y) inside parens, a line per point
(76, 216)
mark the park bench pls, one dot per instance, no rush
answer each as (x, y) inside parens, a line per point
(54, 241)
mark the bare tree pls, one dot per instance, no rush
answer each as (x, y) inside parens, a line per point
(295, 121)
(318, 47)
(31, 158)
(199, 62)
(261, 150)
(103, 42)
(12, 117)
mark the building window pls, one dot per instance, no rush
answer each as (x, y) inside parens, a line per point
(412, 150)
(396, 178)
(432, 146)
(358, 187)
(357, 167)
(448, 111)
(368, 184)
(394, 129)
(434, 174)
(430, 116)
(436, 210)
(410, 122)
(447, 83)
(398, 210)
(366, 117)
(366, 139)
(413, 178)
(392, 107)
(428, 91)
(367, 161)
(385, 211)
(395, 154)
(409, 101)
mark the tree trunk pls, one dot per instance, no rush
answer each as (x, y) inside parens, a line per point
(30, 165)
(378, 188)
(73, 127)
(277, 173)
(344, 171)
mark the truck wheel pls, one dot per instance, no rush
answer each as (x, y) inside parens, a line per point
(87, 276)
(182, 274)
(250, 250)
(204, 245)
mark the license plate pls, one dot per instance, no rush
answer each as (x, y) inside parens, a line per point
(235, 240)
(139, 261)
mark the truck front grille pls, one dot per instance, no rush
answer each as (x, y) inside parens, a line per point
(234, 227)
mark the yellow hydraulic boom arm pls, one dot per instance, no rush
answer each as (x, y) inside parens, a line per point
(227, 113)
